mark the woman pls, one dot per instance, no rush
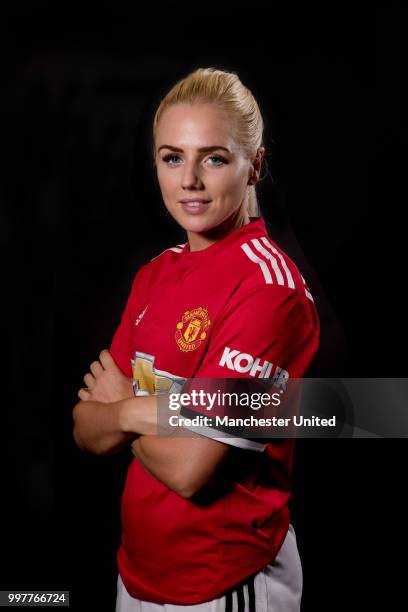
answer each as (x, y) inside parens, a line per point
(205, 521)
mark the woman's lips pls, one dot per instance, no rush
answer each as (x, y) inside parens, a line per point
(195, 208)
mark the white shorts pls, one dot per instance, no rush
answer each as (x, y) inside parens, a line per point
(275, 588)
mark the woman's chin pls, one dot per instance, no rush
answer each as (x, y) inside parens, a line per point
(195, 223)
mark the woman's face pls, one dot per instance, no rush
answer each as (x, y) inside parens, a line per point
(198, 159)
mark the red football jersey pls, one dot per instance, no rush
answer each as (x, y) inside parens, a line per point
(237, 309)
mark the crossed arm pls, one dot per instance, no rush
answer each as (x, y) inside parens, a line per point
(108, 417)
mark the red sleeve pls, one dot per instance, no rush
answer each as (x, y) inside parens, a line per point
(120, 346)
(263, 332)
(266, 324)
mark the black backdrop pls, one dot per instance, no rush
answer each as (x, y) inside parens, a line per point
(81, 210)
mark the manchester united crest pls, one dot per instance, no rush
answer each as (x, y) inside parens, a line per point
(192, 328)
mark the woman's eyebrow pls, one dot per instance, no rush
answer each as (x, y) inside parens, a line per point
(201, 150)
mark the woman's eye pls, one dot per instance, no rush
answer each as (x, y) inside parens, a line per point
(220, 160)
(167, 158)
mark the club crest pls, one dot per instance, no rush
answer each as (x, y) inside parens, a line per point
(191, 330)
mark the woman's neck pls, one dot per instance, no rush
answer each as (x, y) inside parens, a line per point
(201, 240)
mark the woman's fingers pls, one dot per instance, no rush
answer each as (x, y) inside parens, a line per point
(96, 368)
(84, 395)
(107, 360)
(89, 380)
(102, 382)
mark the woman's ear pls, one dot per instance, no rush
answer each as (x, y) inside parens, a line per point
(256, 166)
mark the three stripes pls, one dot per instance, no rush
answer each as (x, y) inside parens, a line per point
(249, 589)
(272, 263)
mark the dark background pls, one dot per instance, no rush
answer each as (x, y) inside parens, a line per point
(81, 211)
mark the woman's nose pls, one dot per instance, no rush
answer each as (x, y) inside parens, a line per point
(190, 177)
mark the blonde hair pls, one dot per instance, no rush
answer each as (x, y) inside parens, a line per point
(210, 85)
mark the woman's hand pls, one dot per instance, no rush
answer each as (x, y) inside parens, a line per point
(106, 382)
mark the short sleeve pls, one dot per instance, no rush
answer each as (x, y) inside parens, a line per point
(263, 332)
(120, 348)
